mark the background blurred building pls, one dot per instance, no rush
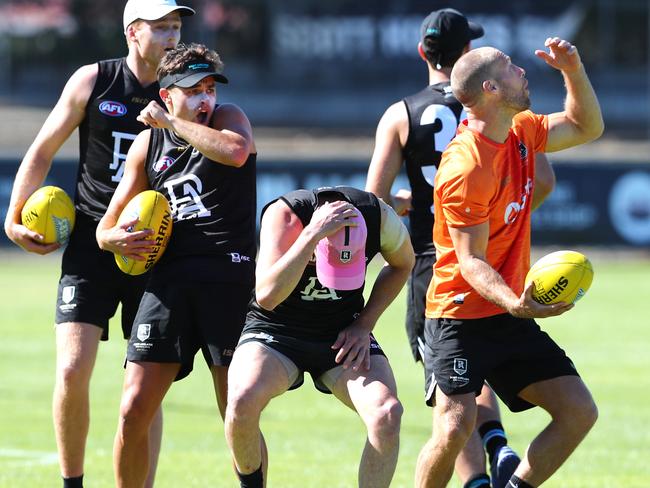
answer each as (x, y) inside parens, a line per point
(315, 76)
(337, 63)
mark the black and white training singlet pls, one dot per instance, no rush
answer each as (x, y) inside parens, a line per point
(213, 209)
(107, 132)
(434, 115)
(313, 311)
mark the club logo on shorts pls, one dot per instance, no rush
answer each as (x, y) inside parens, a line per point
(67, 294)
(143, 331)
(460, 366)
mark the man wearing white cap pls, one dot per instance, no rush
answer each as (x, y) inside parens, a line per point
(309, 315)
(103, 101)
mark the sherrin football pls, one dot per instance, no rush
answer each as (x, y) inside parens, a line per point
(50, 212)
(151, 208)
(561, 276)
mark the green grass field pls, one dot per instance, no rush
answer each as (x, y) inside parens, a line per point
(314, 441)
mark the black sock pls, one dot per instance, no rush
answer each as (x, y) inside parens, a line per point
(493, 436)
(76, 482)
(252, 480)
(518, 483)
(478, 481)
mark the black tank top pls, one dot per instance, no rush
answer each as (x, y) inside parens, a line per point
(106, 133)
(213, 208)
(434, 115)
(311, 310)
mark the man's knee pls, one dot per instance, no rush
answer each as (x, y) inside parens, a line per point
(575, 409)
(386, 419)
(244, 405)
(76, 354)
(455, 430)
(73, 376)
(581, 412)
(455, 422)
(136, 414)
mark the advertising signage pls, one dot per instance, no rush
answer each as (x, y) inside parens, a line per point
(603, 204)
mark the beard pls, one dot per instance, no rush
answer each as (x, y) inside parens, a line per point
(517, 101)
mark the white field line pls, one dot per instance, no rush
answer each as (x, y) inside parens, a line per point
(21, 457)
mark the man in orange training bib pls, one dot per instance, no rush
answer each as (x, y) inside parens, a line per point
(483, 191)
(414, 132)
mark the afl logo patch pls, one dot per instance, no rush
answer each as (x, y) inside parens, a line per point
(112, 109)
(163, 163)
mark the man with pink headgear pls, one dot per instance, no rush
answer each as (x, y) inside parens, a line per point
(309, 314)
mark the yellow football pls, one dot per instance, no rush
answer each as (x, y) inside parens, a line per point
(151, 208)
(561, 276)
(50, 212)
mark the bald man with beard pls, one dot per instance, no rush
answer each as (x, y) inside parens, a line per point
(480, 318)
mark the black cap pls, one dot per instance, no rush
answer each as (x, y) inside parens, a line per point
(193, 72)
(450, 29)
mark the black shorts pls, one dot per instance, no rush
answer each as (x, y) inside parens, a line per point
(507, 352)
(314, 357)
(416, 302)
(91, 285)
(174, 321)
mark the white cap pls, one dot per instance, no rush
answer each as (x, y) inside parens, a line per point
(151, 10)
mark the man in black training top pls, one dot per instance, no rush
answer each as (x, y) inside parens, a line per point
(201, 156)
(103, 101)
(309, 315)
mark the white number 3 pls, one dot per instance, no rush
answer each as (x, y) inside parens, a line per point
(448, 125)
